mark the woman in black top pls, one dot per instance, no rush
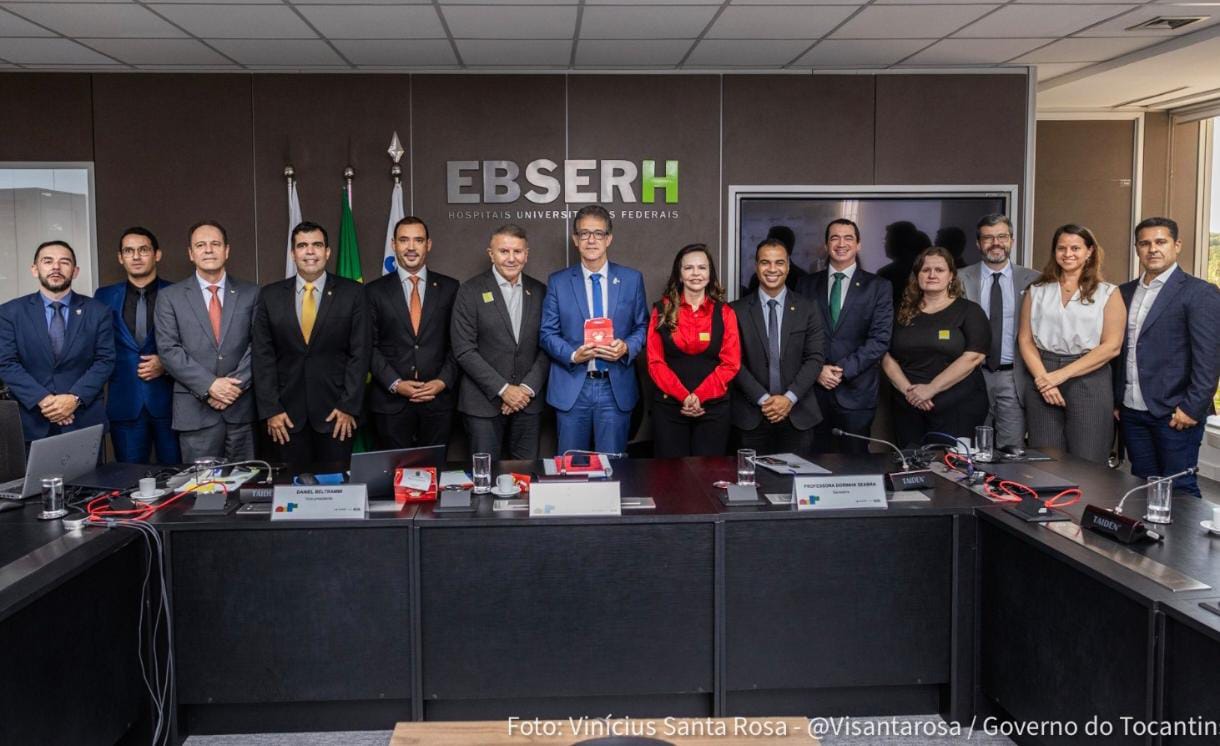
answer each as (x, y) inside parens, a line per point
(940, 340)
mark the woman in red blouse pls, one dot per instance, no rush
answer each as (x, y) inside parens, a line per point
(693, 354)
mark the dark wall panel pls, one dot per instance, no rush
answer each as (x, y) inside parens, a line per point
(321, 124)
(172, 150)
(46, 117)
(664, 117)
(476, 118)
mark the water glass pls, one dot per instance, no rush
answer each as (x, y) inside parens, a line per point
(481, 469)
(745, 467)
(1160, 501)
(984, 444)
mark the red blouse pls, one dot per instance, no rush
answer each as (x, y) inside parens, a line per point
(692, 335)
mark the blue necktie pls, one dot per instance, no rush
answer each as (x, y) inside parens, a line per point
(57, 330)
(599, 311)
(773, 383)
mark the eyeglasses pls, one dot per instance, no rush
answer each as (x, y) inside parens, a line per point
(129, 252)
(999, 238)
(595, 235)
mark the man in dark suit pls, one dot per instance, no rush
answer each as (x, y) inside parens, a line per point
(311, 348)
(858, 309)
(495, 341)
(56, 349)
(1166, 374)
(774, 405)
(203, 335)
(413, 369)
(139, 398)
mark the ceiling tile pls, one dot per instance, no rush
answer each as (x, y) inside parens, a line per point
(861, 52)
(1085, 50)
(519, 22)
(910, 21)
(238, 22)
(11, 25)
(1119, 26)
(634, 2)
(49, 52)
(296, 52)
(671, 22)
(514, 2)
(514, 53)
(380, 22)
(1055, 69)
(188, 68)
(337, 2)
(396, 53)
(158, 51)
(804, 2)
(746, 52)
(787, 22)
(87, 19)
(939, 2)
(1040, 20)
(645, 52)
(973, 51)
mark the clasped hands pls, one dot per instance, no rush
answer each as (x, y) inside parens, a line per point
(611, 352)
(1048, 386)
(919, 395)
(420, 391)
(278, 426)
(58, 408)
(776, 408)
(223, 392)
(514, 399)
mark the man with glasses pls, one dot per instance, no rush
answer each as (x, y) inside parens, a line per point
(140, 396)
(592, 385)
(997, 284)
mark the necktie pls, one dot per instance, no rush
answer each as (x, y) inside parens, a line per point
(773, 383)
(214, 311)
(309, 312)
(995, 313)
(141, 316)
(417, 306)
(514, 309)
(599, 310)
(58, 328)
(836, 298)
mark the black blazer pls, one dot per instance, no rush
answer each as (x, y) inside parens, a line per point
(857, 344)
(482, 337)
(308, 381)
(800, 359)
(397, 352)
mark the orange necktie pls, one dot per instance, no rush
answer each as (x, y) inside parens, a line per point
(417, 307)
(214, 311)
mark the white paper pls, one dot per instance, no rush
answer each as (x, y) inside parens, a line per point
(415, 479)
(456, 478)
(790, 463)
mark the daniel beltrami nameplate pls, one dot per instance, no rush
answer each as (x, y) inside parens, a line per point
(319, 502)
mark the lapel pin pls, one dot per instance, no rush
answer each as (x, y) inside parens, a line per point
(614, 281)
(527, 292)
(328, 292)
(791, 308)
(78, 312)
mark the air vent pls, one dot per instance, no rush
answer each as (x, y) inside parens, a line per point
(1167, 23)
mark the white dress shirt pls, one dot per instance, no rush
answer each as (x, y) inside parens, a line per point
(405, 278)
(848, 273)
(318, 285)
(1073, 329)
(782, 297)
(605, 281)
(207, 294)
(1141, 304)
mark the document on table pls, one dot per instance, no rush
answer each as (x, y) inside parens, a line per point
(908, 496)
(789, 463)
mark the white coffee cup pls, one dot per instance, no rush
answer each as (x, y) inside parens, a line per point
(505, 483)
(148, 485)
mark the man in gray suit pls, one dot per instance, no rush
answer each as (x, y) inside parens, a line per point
(997, 285)
(494, 335)
(203, 335)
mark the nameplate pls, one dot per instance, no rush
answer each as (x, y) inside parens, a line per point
(574, 498)
(842, 492)
(319, 502)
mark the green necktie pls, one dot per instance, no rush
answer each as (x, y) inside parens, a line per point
(836, 298)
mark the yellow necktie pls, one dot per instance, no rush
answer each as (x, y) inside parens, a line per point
(309, 312)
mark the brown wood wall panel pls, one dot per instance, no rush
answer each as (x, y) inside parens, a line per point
(321, 124)
(1155, 188)
(46, 117)
(1184, 187)
(172, 150)
(485, 117)
(664, 117)
(1084, 175)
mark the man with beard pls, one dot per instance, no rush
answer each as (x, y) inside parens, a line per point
(56, 349)
(997, 284)
(140, 396)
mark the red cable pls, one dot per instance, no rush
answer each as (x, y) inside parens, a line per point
(1006, 491)
(99, 514)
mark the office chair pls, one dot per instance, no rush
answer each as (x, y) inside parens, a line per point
(12, 442)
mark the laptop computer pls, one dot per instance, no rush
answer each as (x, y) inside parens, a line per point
(376, 468)
(69, 455)
(1041, 481)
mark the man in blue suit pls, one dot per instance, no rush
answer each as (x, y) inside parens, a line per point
(858, 308)
(592, 387)
(56, 349)
(1166, 374)
(140, 398)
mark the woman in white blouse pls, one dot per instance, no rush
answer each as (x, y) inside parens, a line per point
(1071, 328)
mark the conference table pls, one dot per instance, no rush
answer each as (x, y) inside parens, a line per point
(944, 603)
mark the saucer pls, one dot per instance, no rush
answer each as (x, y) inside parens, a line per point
(505, 493)
(1211, 527)
(154, 495)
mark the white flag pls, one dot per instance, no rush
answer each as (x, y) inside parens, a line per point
(294, 219)
(396, 213)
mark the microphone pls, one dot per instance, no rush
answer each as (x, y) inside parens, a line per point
(1185, 472)
(907, 479)
(1125, 529)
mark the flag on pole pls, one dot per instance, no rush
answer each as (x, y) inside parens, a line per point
(294, 219)
(389, 259)
(348, 265)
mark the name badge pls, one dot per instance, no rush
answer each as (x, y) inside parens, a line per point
(705, 336)
(488, 298)
(839, 492)
(943, 334)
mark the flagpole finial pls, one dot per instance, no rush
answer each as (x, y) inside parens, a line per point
(396, 172)
(349, 173)
(396, 151)
(289, 171)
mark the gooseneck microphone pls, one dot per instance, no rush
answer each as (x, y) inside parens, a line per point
(840, 433)
(1185, 472)
(896, 481)
(1123, 528)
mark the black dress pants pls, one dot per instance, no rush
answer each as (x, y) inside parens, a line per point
(675, 435)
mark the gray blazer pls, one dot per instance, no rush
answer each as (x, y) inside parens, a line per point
(481, 336)
(1022, 277)
(191, 355)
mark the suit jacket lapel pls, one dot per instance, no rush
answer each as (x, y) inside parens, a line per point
(226, 318)
(578, 287)
(196, 302)
(430, 301)
(820, 296)
(326, 299)
(612, 291)
(760, 324)
(38, 319)
(1163, 299)
(75, 314)
(970, 279)
(116, 305)
(855, 284)
(492, 285)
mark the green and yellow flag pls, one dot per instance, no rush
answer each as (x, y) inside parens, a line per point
(348, 267)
